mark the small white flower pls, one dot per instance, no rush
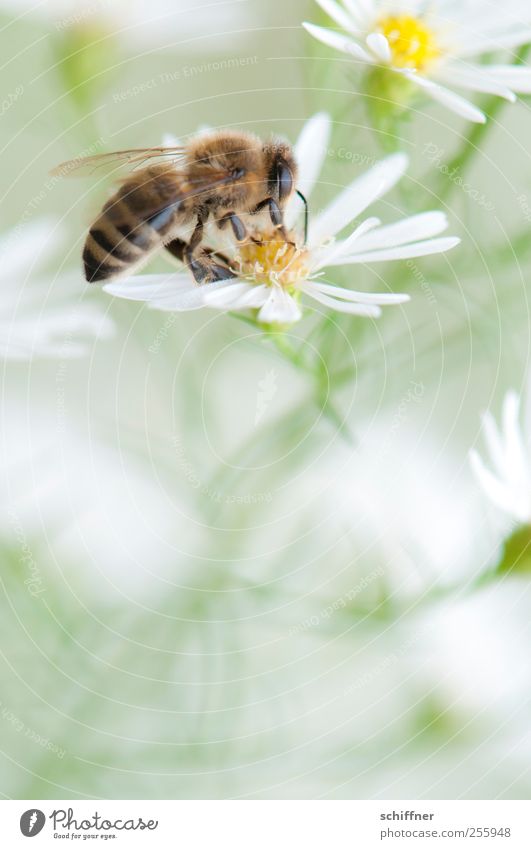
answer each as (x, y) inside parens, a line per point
(432, 44)
(272, 276)
(508, 484)
(42, 317)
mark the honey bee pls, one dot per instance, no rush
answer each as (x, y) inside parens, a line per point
(220, 175)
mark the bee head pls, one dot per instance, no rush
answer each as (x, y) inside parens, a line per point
(281, 170)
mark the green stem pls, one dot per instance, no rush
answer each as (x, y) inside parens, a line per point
(320, 377)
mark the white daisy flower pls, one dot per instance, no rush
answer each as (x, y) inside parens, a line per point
(42, 317)
(508, 480)
(434, 45)
(271, 277)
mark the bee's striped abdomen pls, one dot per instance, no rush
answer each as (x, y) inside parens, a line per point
(125, 233)
(116, 242)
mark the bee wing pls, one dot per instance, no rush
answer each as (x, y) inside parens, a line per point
(150, 210)
(86, 165)
(157, 215)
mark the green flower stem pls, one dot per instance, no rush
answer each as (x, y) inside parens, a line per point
(322, 384)
(492, 106)
(317, 370)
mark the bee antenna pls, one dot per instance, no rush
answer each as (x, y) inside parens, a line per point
(305, 202)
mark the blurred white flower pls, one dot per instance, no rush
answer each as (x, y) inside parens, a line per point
(42, 317)
(395, 490)
(464, 654)
(140, 24)
(508, 485)
(271, 277)
(99, 517)
(432, 44)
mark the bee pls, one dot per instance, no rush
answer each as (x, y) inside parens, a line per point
(218, 177)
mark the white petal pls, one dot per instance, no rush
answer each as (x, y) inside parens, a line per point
(24, 245)
(518, 79)
(310, 151)
(379, 45)
(448, 98)
(191, 297)
(357, 197)
(323, 257)
(475, 78)
(367, 310)
(174, 292)
(51, 334)
(494, 444)
(497, 491)
(362, 11)
(236, 295)
(338, 42)
(517, 466)
(412, 229)
(379, 298)
(497, 41)
(255, 297)
(280, 308)
(145, 287)
(430, 246)
(338, 14)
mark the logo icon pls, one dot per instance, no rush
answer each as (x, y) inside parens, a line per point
(32, 822)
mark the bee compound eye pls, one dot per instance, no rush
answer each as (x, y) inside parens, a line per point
(284, 182)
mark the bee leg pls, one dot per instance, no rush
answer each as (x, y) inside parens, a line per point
(206, 271)
(238, 227)
(202, 271)
(220, 272)
(202, 267)
(199, 269)
(177, 248)
(275, 214)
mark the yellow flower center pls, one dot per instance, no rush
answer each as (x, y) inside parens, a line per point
(412, 43)
(274, 260)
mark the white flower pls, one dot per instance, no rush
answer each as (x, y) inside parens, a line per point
(271, 277)
(508, 485)
(42, 317)
(432, 44)
(180, 23)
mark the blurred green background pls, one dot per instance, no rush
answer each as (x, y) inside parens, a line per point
(207, 597)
